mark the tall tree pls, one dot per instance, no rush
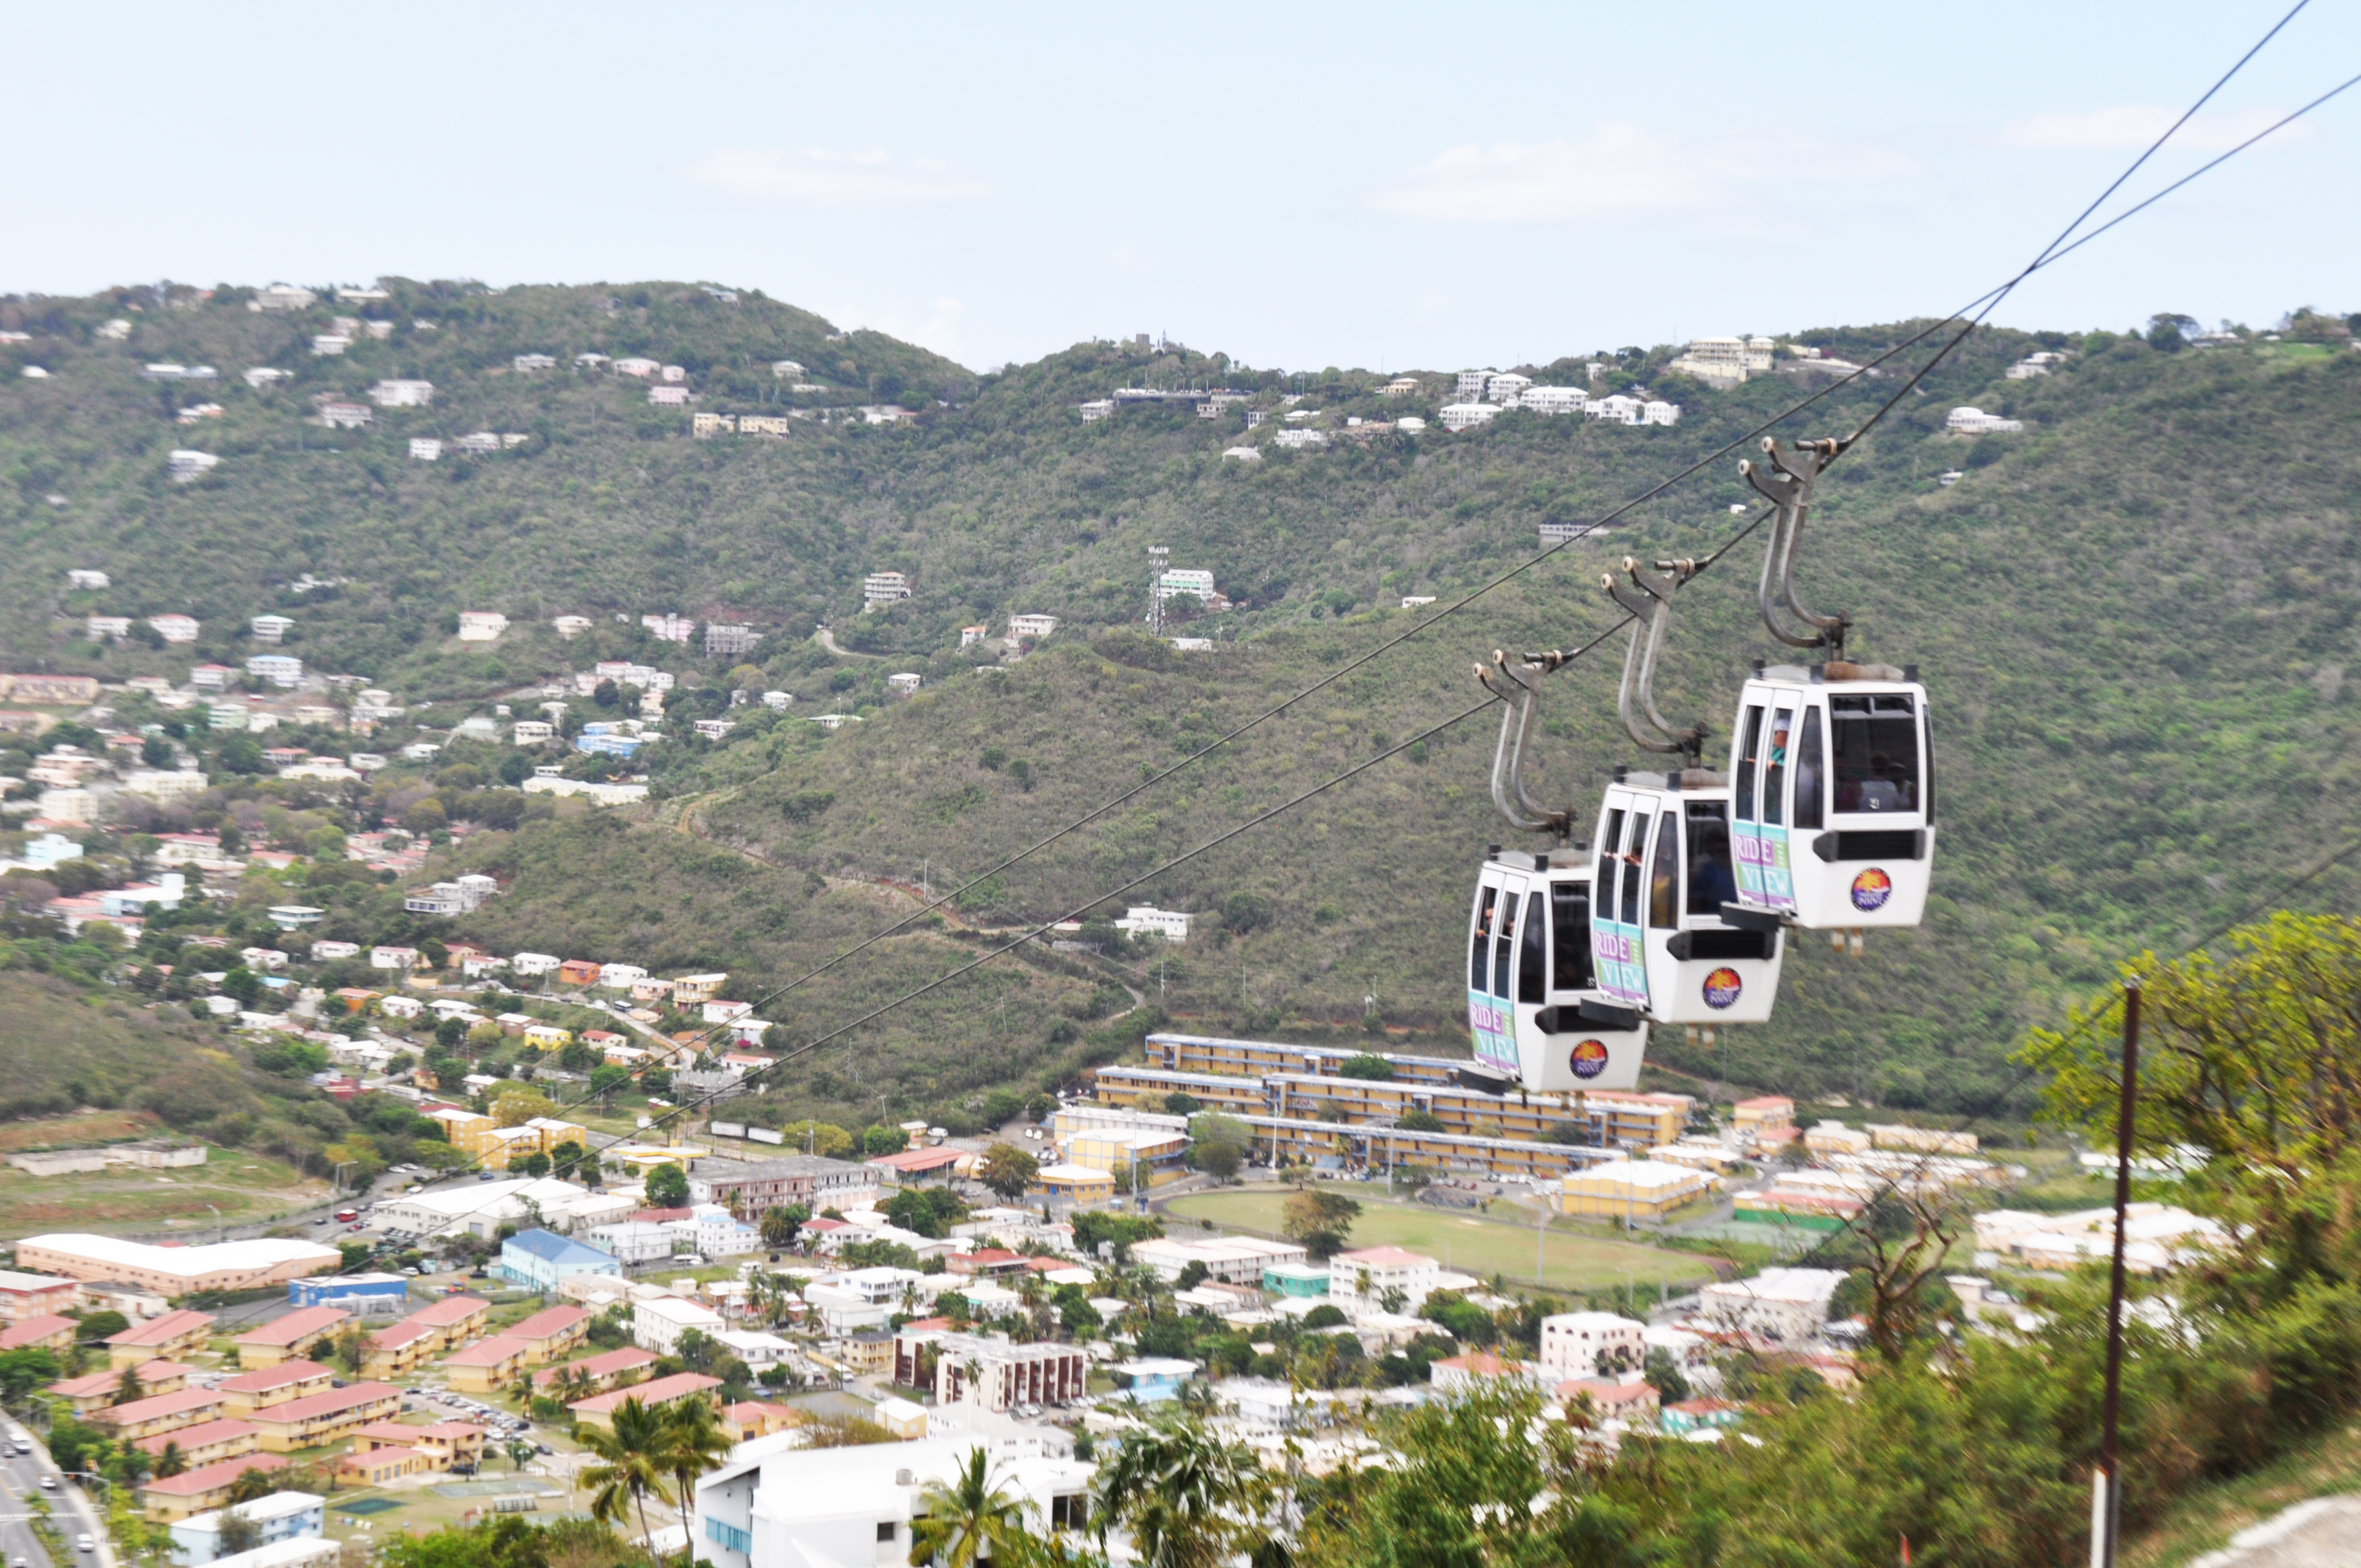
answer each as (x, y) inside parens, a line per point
(1187, 1498)
(971, 1520)
(631, 1464)
(690, 1443)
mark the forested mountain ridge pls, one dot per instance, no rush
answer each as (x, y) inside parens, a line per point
(2134, 619)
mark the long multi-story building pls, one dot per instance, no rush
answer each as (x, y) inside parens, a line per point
(176, 1270)
(324, 1418)
(813, 1180)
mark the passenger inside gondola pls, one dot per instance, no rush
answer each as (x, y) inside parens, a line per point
(1712, 883)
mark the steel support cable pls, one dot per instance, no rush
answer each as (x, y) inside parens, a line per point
(2053, 252)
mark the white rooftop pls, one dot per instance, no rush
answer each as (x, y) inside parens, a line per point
(263, 1252)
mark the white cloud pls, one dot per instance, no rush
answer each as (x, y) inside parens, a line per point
(2135, 125)
(823, 179)
(1623, 167)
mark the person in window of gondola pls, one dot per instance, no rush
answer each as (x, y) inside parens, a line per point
(1712, 884)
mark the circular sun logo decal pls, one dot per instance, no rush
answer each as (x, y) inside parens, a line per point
(1871, 889)
(1723, 988)
(1589, 1058)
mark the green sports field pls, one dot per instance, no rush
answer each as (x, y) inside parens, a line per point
(1469, 1243)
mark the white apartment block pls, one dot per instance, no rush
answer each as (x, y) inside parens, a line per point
(904, 683)
(189, 467)
(79, 579)
(1146, 919)
(1472, 383)
(1360, 1280)
(282, 297)
(1186, 580)
(1554, 400)
(271, 628)
(658, 1322)
(1466, 416)
(1505, 388)
(175, 628)
(1032, 625)
(1574, 1344)
(668, 397)
(1975, 421)
(883, 588)
(403, 394)
(534, 732)
(481, 625)
(1617, 408)
(635, 367)
(1299, 439)
(1724, 361)
(97, 626)
(535, 362)
(2033, 365)
(283, 670)
(1658, 412)
(426, 449)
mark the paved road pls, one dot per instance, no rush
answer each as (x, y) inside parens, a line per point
(2322, 1533)
(21, 1480)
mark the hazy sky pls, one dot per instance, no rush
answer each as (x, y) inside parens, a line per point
(1364, 184)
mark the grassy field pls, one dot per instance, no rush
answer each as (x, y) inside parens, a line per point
(1469, 1243)
(246, 1188)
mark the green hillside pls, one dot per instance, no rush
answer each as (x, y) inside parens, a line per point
(2134, 619)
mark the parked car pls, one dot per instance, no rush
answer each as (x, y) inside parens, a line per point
(82, 1542)
(48, 1483)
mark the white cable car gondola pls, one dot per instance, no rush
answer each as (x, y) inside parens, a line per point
(1832, 764)
(1668, 937)
(1537, 1019)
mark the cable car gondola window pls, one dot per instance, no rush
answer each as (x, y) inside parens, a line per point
(1811, 772)
(1486, 899)
(1504, 945)
(1665, 876)
(1713, 881)
(1570, 932)
(1926, 789)
(1532, 950)
(1635, 849)
(1775, 767)
(1602, 887)
(1876, 752)
(1746, 761)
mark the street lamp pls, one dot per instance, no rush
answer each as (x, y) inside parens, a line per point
(217, 1224)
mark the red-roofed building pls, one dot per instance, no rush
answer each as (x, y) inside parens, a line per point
(1480, 1366)
(208, 1442)
(46, 1332)
(1636, 1404)
(985, 1260)
(294, 1337)
(251, 1391)
(173, 1334)
(324, 1418)
(752, 1418)
(376, 1467)
(24, 1296)
(157, 1413)
(457, 1318)
(918, 1162)
(486, 1365)
(608, 1369)
(83, 1394)
(550, 1333)
(599, 1409)
(445, 1443)
(201, 1490)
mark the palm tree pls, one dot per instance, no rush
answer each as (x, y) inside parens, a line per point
(691, 1443)
(518, 1454)
(631, 1464)
(971, 1521)
(128, 1388)
(1186, 1498)
(171, 1462)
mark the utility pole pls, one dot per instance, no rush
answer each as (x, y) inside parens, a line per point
(2106, 1498)
(1157, 555)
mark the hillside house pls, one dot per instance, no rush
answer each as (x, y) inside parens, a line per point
(786, 370)
(341, 415)
(762, 425)
(175, 628)
(271, 628)
(1400, 387)
(673, 373)
(1655, 411)
(714, 729)
(282, 670)
(1464, 416)
(590, 361)
(729, 640)
(1975, 421)
(403, 394)
(969, 637)
(1617, 408)
(1031, 627)
(577, 971)
(696, 990)
(634, 365)
(1505, 388)
(481, 625)
(282, 297)
(426, 449)
(264, 376)
(667, 397)
(187, 468)
(881, 588)
(532, 732)
(903, 683)
(527, 966)
(82, 577)
(2032, 365)
(330, 344)
(95, 627)
(535, 362)
(401, 960)
(569, 626)
(1724, 362)
(666, 628)
(478, 443)
(705, 426)
(1471, 384)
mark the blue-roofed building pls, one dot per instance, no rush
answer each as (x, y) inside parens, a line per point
(1154, 1379)
(358, 1293)
(608, 745)
(538, 1259)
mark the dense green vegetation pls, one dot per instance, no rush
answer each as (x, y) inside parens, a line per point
(2135, 619)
